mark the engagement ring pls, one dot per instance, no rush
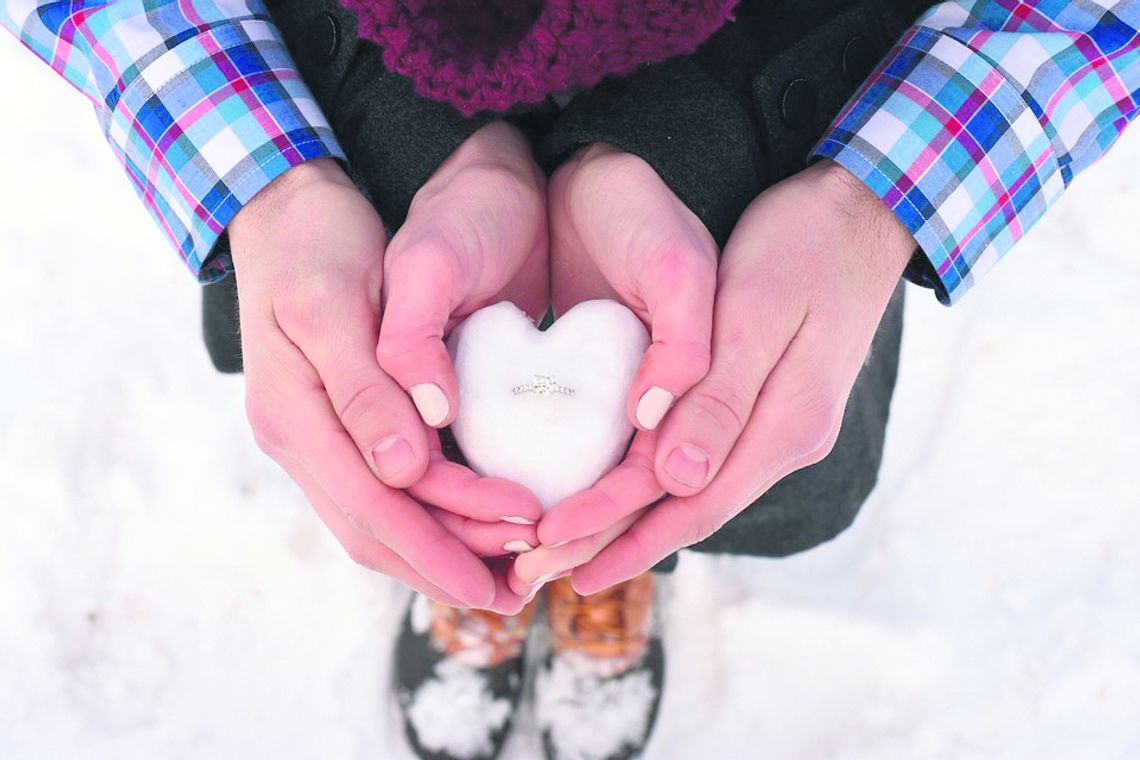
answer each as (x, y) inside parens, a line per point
(543, 385)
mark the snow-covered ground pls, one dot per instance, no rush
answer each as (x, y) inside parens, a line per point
(166, 593)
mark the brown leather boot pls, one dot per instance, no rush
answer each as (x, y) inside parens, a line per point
(598, 693)
(459, 674)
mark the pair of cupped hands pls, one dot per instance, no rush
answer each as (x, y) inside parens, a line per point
(754, 352)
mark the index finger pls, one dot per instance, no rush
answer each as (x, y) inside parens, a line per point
(455, 488)
(395, 519)
(320, 444)
(769, 449)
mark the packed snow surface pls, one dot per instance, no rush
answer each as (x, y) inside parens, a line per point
(165, 592)
(576, 377)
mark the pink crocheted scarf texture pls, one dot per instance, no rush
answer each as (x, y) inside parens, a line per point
(490, 55)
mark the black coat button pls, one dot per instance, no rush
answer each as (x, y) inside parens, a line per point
(324, 39)
(858, 59)
(797, 104)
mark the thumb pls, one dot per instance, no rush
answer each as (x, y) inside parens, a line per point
(420, 287)
(678, 286)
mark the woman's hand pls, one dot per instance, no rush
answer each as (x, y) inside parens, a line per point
(617, 231)
(309, 253)
(476, 234)
(803, 284)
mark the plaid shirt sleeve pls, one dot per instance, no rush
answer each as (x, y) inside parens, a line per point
(199, 99)
(977, 120)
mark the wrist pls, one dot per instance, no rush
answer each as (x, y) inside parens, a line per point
(275, 198)
(883, 236)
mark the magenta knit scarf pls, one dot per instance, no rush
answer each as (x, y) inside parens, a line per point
(492, 54)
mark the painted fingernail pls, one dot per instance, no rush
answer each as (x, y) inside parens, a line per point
(431, 403)
(516, 520)
(392, 455)
(652, 405)
(517, 547)
(689, 465)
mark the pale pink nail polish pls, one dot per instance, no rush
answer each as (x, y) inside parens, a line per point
(652, 406)
(689, 465)
(430, 402)
(516, 520)
(517, 547)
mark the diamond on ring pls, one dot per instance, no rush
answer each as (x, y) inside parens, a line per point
(543, 385)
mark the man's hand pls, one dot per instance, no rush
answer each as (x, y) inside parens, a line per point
(802, 286)
(309, 254)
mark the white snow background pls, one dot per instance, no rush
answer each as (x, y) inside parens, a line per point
(166, 593)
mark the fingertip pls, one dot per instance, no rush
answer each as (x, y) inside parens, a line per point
(432, 404)
(480, 598)
(517, 585)
(683, 470)
(651, 408)
(397, 462)
(549, 536)
(517, 504)
(602, 572)
(417, 359)
(520, 539)
(466, 576)
(585, 585)
(559, 525)
(506, 600)
(667, 371)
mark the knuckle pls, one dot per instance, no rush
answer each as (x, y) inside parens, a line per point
(694, 356)
(816, 427)
(682, 266)
(357, 522)
(725, 405)
(697, 526)
(602, 172)
(393, 350)
(300, 310)
(705, 525)
(268, 431)
(359, 554)
(421, 257)
(357, 406)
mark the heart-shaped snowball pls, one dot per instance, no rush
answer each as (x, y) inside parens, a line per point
(546, 409)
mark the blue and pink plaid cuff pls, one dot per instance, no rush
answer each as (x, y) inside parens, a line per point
(974, 124)
(199, 100)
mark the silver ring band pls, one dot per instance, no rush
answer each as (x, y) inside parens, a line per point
(543, 385)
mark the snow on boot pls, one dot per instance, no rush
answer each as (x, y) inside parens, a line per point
(596, 696)
(458, 676)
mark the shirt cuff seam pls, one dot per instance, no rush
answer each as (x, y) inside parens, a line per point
(243, 179)
(841, 147)
(187, 66)
(240, 184)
